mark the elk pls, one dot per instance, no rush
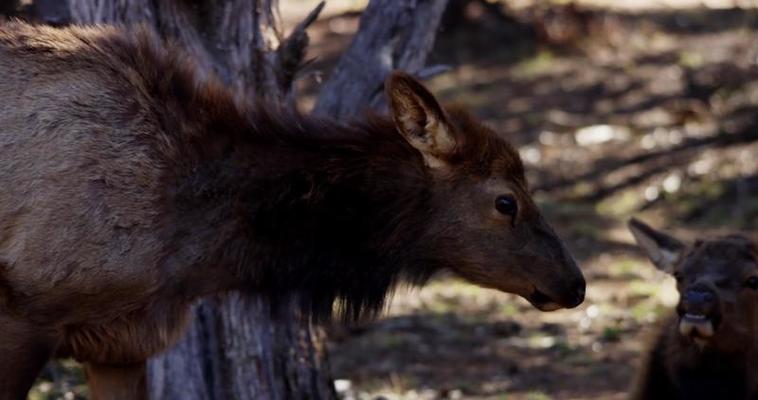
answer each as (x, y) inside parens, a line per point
(132, 187)
(708, 348)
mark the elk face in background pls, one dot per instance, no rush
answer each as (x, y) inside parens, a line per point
(717, 280)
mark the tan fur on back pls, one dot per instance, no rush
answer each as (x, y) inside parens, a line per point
(75, 135)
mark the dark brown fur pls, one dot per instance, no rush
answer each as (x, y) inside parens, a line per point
(723, 365)
(131, 188)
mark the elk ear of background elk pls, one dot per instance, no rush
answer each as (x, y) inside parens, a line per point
(709, 348)
(131, 188)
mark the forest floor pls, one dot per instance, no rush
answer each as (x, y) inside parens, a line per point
(616, 112)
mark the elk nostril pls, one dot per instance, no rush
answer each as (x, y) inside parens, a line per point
(580, 293)
(578, 296)
(699, 296)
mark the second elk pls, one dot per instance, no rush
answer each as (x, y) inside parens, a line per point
(707, 348)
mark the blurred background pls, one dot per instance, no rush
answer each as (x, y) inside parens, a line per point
(618, 108)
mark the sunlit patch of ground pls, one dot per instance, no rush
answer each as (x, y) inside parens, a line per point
(61, 380)
(646, 4)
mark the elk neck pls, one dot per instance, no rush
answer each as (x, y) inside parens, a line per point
(294, 205)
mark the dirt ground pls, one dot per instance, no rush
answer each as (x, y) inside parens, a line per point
(617, 112)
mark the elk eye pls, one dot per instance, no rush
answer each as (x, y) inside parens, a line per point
(752, 282)
(506, 205)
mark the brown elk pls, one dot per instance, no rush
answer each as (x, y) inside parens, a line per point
(709, 348)
(131, 188)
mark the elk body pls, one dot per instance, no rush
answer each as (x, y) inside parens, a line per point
(709, 348)
(131, 188)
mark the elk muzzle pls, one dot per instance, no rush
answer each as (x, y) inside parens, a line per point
(698, 311)
(558, 281)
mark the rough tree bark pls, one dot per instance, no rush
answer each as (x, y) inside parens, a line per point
(393, 34)
(233, 349)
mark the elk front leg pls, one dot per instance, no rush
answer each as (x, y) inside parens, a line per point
(122, 382)
(24, 350)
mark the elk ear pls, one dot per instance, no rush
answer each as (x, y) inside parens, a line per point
(663, 250)
(420, 118)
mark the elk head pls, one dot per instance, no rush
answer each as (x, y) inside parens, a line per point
(717, 280)
(483, 218)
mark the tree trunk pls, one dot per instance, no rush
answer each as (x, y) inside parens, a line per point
(393, 34)
(8, 7)
(233, 348)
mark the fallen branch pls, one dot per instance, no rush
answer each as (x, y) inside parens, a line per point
(604, 167)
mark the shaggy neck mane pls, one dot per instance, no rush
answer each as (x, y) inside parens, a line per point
(285, 204)
(295, 205)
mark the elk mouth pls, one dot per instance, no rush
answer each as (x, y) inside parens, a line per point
(699, 327)
(542, 301)
(550, 302)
